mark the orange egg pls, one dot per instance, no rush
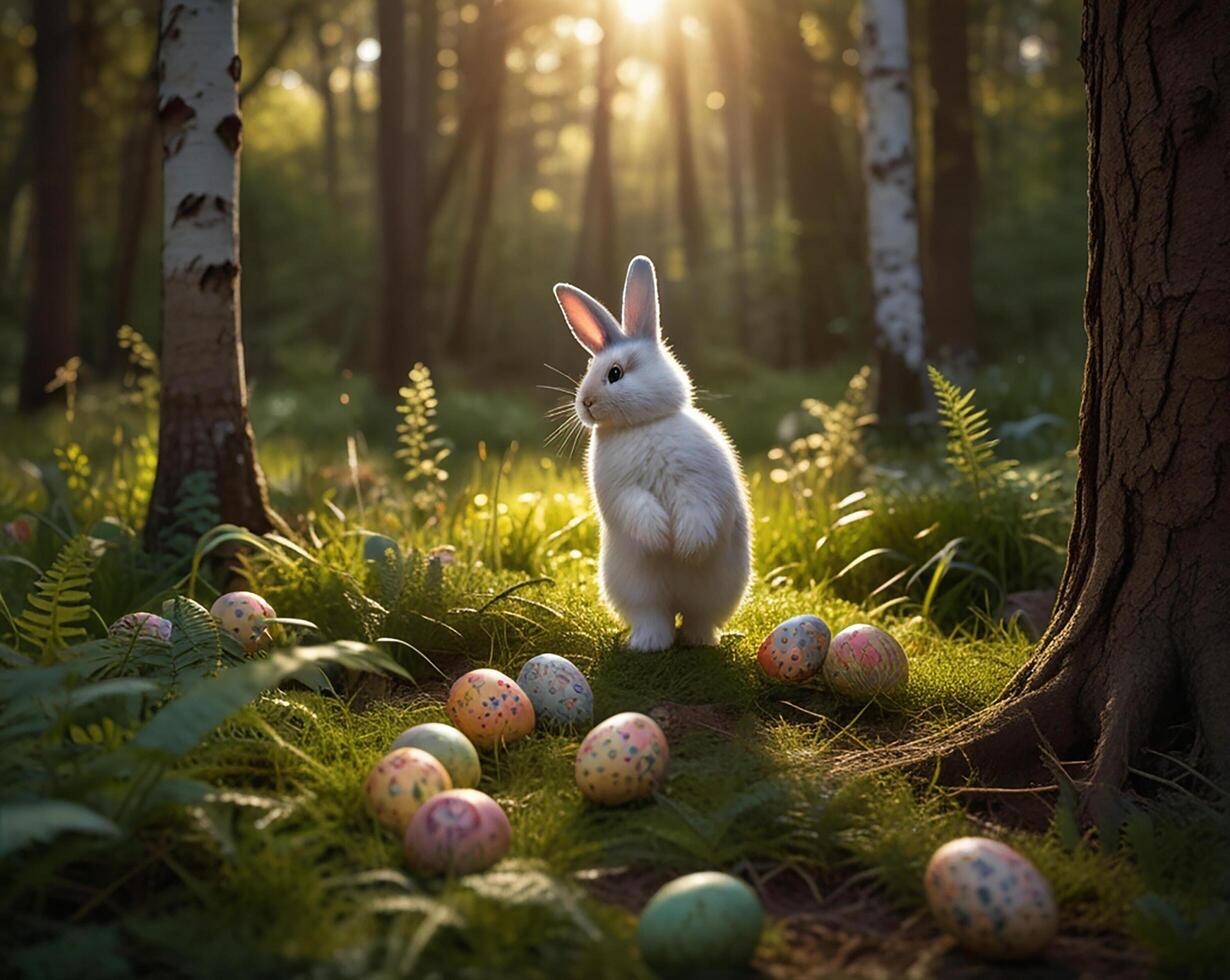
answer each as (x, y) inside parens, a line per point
(490, 708)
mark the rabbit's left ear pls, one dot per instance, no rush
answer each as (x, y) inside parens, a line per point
(641, 301)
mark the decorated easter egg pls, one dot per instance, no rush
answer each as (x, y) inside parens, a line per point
(490, 708)
(244, 615)
(700, 925)
(864, 661)
(457, 832)
(622, 759)
(453, 750)
(558, 690)
(140, 626)
(402, 782)
(795, 650)
(993, 900)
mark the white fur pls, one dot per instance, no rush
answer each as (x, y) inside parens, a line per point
(676, 525)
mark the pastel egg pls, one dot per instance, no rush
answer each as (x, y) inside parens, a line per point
(700, 925)
(558, 690)
(244, 615)
(993, 900)
(795, 650)
(622, 759)
(864, 662)
(402, 782)
(490, 708)
(459, 832)
(140, 626)
(450, 747)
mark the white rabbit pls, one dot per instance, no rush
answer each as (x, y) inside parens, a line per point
(676, 526)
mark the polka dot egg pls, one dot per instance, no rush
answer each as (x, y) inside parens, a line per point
(457, 832)
(490, 708)
(243, 614)
(402, 782)
(795, 650)
(993, 900)
(454, 751)
(622, 759)
(141, 626)
(864, 662)
(558, 690)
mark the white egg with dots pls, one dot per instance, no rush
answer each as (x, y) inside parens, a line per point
(243, 614)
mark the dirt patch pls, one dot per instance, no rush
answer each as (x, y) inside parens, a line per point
(675, 718)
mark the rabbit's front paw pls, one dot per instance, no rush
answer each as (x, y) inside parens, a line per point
(646, 521)
(696, 532)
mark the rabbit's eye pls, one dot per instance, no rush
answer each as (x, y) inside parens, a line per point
(614, 374)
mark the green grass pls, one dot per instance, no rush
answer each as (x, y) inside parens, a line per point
(282, 872)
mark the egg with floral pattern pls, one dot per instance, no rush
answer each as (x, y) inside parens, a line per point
(402, 782)
(864, 662)
(490, 708)
(140, 626)
(795, 650)
(992, 899)
(459, 831)
(243, 614)
(455, 752)
(558, 690)
(623, 759)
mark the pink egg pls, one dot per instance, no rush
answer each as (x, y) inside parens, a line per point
(459, 831)
(140, 626)
(864, 662)
(993, 900)
(489, 708)
(402, 782)
(622, 759)
(243, 614)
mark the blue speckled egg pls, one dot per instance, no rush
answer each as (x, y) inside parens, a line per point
(796, 649)
(558, 690)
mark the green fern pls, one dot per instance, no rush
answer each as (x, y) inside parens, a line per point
(421, 450)
(971, 450)
(60, 602)
(195, 512)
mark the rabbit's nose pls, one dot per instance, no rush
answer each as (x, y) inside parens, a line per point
(587, 402)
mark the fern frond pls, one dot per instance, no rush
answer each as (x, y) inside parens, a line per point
(195, 512)
(421, 451)
(60, 601)
(971, 449)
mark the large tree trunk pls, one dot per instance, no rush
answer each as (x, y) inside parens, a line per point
(954, 182)
(732, 69)
(16, 173)
(596, 261)
(489, 66)
(51, 333)
(395, 351)
(204, 409)
(326, 61)
(687, 180)
(892, 214)
(1136, 642)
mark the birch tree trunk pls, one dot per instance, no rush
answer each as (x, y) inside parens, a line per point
(51, 327)
(204, 409)
(892, 214)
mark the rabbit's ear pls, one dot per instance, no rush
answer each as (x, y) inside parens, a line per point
(641, 300)
(590, 322)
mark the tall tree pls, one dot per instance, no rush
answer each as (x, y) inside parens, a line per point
(687, 179)
(51, 332)
(596, 261)
(326, 61)
(395, 352)
(203, 424)
(1135, 650)
(489, 65)
(949, 290)
(892, 213)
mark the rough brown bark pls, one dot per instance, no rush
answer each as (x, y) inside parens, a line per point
(203, 417)
(949, 285)
(1137, 637)
(51, 334)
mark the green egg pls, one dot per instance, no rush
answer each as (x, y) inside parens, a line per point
(454, 751)
(701, 924)
(376, 546)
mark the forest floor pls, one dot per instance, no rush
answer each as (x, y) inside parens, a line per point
(279, 870)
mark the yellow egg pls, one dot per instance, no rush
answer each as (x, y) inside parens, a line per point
(993, 900)
(622, 759)
(402, 782)
(864, 662)
(490, 708)
(244, 615)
